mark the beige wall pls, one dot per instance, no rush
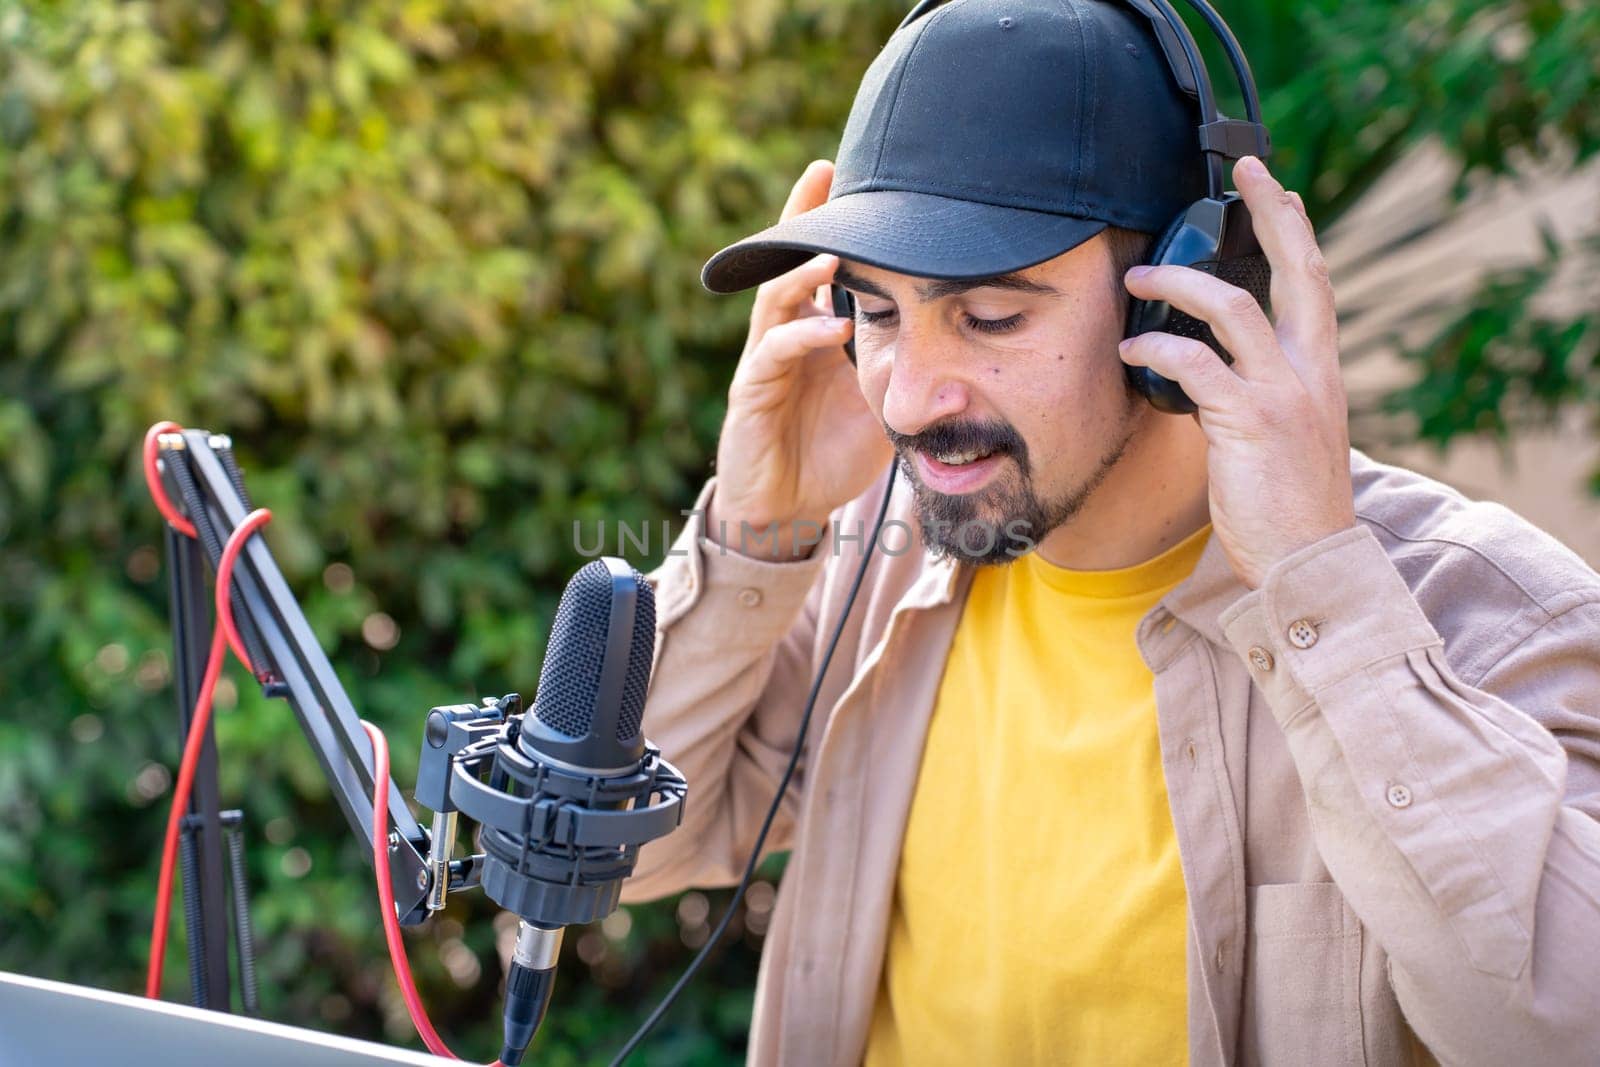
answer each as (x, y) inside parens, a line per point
(1542, 475)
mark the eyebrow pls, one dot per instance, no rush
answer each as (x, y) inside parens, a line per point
(938, 288)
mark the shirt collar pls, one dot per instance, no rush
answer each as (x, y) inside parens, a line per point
(1201, 598)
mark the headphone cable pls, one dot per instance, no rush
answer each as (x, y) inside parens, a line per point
(783, 787)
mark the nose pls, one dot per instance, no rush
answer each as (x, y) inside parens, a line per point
(923, 387)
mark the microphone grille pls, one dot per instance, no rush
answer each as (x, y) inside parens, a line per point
(569, 681)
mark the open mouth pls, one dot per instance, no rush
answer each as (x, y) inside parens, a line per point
(960, 459)
(957, 472)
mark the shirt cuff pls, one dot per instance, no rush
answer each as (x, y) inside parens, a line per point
(749, 601)
(1321, 614)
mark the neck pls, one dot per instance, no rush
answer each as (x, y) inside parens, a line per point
(1154, 496)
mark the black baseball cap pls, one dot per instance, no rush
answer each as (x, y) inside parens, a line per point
(990, 135)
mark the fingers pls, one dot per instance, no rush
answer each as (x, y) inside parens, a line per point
(791, 295)
(794, 294)
(1302, 296)
(781, 349)
(1231, 312)
(1210, 383)
(810, 190)
(1300, 206)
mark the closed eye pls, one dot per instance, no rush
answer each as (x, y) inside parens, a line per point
(1010, 322)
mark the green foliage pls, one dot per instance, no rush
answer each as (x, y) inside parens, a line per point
(1503, 362)
(434, 265)
(1350, 87)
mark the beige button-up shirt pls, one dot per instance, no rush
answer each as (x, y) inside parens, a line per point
(1383, 768)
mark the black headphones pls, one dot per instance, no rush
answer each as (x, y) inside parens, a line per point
(1213, 234)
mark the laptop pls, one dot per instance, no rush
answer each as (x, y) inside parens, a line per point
(46, 1023)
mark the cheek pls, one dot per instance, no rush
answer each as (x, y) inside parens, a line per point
(872, 376)
(1068, 401)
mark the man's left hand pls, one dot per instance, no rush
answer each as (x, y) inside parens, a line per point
(1276, 419)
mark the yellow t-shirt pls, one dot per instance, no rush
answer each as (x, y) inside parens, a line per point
(1039, 912)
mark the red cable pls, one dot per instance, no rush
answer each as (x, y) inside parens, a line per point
(225, 600)
(226, 635)
(391, 920)
(191, 747)
(152, 478)
(158, 492)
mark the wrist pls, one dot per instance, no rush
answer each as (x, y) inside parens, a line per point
(775, 540)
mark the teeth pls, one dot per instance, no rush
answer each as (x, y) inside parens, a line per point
(957, 459)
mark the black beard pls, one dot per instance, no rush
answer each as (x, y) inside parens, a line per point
(1006, 518)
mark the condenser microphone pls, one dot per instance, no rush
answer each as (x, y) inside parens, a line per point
(596, 671)
(582, 776)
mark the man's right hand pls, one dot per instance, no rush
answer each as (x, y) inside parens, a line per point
(799, 439)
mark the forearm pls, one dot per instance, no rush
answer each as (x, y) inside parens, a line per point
(1442, 810)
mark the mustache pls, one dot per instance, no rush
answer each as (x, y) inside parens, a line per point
(1000, 438)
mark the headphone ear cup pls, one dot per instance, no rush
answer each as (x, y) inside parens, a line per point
(1215, 237)
(844, 307)
(1139, 310)
(1146, 315)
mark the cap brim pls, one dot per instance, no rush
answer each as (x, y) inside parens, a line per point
(909, 233)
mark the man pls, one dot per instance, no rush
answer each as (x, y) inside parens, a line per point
(1219, 741)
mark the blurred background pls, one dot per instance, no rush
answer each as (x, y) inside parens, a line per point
(434, 265)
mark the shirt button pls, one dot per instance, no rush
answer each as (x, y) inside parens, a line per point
(750, 596)
(1302, 634)
(1399, 796)
(1260, 658)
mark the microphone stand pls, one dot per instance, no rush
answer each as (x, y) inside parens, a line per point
(560, 839)
(200, 474)
(201, 859)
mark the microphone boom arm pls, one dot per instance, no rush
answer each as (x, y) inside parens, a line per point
(558, 838)
(290, 662)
